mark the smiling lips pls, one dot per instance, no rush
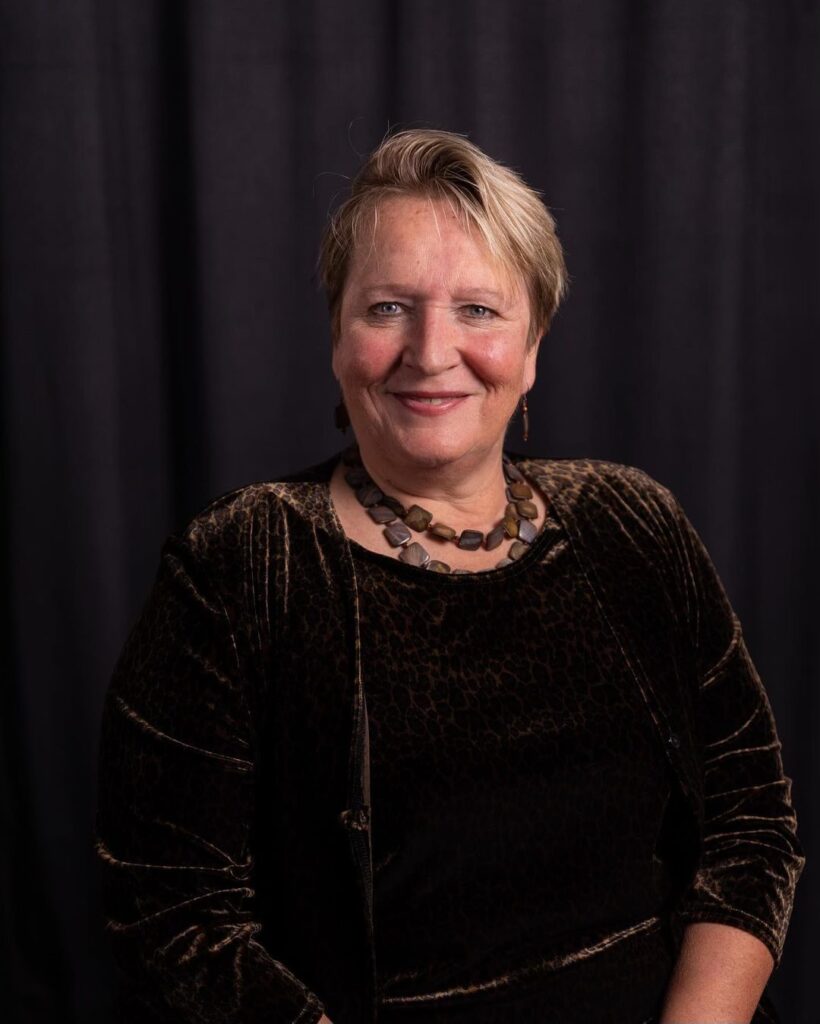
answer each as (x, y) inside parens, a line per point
(429, 403)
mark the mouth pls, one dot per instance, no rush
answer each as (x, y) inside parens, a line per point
(429, 402)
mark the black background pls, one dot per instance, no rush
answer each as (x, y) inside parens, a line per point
(166, 171)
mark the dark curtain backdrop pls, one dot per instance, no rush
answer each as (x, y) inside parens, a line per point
(166, 170)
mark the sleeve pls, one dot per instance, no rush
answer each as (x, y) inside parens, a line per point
(751, 857)
(174, 814)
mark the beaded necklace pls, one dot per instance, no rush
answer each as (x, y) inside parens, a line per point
(517, 523)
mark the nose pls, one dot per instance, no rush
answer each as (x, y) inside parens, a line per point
(431, 341)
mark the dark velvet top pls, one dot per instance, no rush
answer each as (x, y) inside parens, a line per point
(516, 779)
(509, 745)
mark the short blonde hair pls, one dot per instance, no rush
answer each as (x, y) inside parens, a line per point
(509, 216)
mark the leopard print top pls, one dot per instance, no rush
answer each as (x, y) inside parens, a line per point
(511, 688)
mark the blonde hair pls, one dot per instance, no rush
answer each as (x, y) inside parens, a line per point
(509, 216)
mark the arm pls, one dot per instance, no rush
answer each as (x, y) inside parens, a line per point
(175, 809)
(751, 859)
(719, 976)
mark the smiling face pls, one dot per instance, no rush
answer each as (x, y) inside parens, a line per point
(427, 312)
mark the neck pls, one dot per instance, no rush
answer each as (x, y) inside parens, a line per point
(467, 493)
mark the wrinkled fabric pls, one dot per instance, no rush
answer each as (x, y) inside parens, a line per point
(234, 828)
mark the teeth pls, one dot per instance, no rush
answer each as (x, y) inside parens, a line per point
(433, 401)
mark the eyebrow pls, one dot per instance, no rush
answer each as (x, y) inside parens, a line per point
(462, 296)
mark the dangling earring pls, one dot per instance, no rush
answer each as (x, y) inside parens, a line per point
(525, 415)
(341, 417)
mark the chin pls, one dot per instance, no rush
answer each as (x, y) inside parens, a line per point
(432, 450)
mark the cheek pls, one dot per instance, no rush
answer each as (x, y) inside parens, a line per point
(498, 362)
(364, 357)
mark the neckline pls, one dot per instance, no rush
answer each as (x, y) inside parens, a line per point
(549, 531)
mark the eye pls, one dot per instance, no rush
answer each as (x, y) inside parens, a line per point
(386, 308)
(478, 312)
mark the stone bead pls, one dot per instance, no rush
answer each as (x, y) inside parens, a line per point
(527, 531)
(414, 554)
(369, 494)
(381, 514)
(397, 534)
(512, 473)
(418, 518)
(510, 525)
(395, 504)
(517, 549)
(470, 540)
(440, 530)
(494, 537)
(434, 565)
(511, 510)
(527, 509)
(503, 562)
(357, 476)
(519, 490)
(461, 572)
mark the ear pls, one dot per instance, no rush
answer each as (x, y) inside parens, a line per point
(335, 331)
(530, 361)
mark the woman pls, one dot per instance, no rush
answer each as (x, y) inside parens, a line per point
(432, 731)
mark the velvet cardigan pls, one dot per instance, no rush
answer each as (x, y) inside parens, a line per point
(233, 817)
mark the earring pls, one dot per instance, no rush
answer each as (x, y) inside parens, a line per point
(525, 415)
(341, 417)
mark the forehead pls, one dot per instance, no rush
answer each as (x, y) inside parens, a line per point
(424, 242)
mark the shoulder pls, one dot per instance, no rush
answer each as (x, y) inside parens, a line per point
(614, 511)
(589, 485)
(249, 514)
